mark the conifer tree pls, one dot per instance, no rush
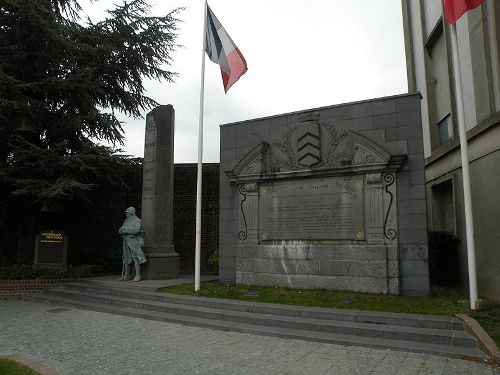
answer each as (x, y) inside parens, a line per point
(63, 79)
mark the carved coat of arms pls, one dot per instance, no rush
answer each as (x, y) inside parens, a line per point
(308, 143)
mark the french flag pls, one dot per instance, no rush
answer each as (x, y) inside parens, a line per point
(454, 9)
(221, 49)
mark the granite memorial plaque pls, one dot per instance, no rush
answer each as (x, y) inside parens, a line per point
(312, 209)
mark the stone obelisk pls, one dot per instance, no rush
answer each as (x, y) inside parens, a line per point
(157, 195)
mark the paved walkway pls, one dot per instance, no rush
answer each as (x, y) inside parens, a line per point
(79, 342)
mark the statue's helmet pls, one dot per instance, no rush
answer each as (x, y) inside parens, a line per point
(130, 210)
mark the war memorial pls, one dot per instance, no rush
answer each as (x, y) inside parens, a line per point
(331, 198)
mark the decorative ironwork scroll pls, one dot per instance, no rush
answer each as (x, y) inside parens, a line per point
(389, 233)
(242, 235)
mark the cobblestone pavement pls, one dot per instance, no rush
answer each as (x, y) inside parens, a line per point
(83, 342)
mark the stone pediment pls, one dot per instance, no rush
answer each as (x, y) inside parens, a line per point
(311, 147)
(367, 152)
(253, 164)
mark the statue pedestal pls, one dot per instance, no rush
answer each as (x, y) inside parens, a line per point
(161, 266)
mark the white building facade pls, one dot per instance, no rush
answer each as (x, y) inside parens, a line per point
(430, 71)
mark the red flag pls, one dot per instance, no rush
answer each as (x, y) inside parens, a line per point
(454, 9)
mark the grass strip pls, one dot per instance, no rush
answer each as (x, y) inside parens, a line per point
(441, 302)
(10, 367)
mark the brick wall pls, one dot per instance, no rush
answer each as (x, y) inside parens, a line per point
(16, 289)
(92, 227)
(185, 214)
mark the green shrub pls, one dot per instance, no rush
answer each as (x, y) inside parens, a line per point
(29, 272)
(213, 260)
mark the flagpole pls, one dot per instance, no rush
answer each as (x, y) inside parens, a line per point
(200, 160)
(469, 221)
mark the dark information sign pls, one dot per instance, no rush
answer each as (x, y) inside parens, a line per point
(312, 209)
(50, 247)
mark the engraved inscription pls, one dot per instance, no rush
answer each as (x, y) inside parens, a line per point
(316, 209)
(150, 123)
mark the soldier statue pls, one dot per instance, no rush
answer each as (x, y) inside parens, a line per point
(132, 245)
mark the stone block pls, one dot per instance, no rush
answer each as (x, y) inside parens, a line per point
(384, 121)
(226, 190)
(332, 267)
(226, 202)
(415, 147)
(227, 154)
(413, 221)
(292, 118)
(397, 147)
(384, 106)
(393, 269)
(415, 252)
(247, 251)
(364, 268)
(403, 192)
(161, 267)
(415, 236)
(417, 192)
(417, 177)
(246, 264)
(403, 178)
(360, 253)
(227, 275)
(416, 163)
(323, 252)
(362, 123)
(227, 131)
(364, 109)
(407, 119)
(287, 266)
(414, 267)
(412, 206)
(391, 134)
(392, 253)
(285, 252)
(409, 132)
(408, 103)
(227, 259)
(414, 284)
(339, 112)
(394, 285)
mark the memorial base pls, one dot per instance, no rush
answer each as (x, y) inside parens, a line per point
(161, 266)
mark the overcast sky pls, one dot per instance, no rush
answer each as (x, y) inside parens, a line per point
(301, 54)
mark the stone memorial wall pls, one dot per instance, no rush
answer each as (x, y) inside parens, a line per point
(331, 198)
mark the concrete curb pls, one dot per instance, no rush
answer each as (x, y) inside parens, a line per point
(42, 369)
(485, 342)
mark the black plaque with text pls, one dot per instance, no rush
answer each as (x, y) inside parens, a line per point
(50, 247)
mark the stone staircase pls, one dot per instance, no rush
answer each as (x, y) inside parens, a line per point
(440, 335)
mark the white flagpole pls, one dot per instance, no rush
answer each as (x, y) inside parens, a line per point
(200, 160)
(469, 221)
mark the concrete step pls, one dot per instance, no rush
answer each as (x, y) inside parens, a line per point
(286, 332)
(435, 336)
(373, 317)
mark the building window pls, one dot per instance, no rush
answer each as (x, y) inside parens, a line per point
(443, 207)
(445, 130)
(438, 84)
